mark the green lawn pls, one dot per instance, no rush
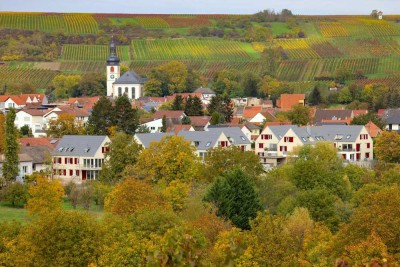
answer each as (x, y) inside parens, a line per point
(9, 213)
(279, 28)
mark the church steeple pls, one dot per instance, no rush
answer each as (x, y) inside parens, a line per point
(113, 59)
(113, 70)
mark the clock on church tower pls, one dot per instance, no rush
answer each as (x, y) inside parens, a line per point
(113, 68)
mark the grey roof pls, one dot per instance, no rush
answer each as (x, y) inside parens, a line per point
(79, 145)
(130, 77)
(280, 130)
(37, 153)
(251, 126)
(204, 90)
(310, 135)
(332, 114)
(392, 116)
(147, 138)
(234, 134)
(21, 158)
(202, 140)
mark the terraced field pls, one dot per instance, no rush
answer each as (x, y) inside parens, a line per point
(92, 52)
(193, 49)
(39, 78)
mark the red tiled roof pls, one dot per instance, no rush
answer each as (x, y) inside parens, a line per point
(276, 123)
(168, 114)
(288, 101)
(358, 112)
(199, 120)
(176, 128)
(250, 112)
(41, 141)
(75, 111)
(380, 112)
(35, 112)
(39, 97)
(373, 129)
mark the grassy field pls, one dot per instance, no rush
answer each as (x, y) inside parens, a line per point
(9, 213)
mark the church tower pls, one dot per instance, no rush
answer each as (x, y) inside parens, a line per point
(113, 68)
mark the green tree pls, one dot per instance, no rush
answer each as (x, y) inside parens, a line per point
(193, 106)
(345, 96)
(221, 160)
(250, 83)
(270, 60)
(167, 79)
(387, 147)
(91, 84)
(363, 119)
(2, 132)
(299, 115)
(101, 117)
(315, 97)
(123, 152)
(16, 194)
(227, 82)
(11, 148)
(235, 198)
(164, 124)
(319, 166)
(321, 205)
(126, 118)
(177, 104)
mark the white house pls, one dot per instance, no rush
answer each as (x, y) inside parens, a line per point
(81, 115)
(34, 118)
(206, 93)
(353, 142)
(79, 157)
(202, 140)
(25, 166)
(154, 126)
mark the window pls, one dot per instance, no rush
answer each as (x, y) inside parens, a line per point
(266, 136)
(65, 161)
(367, 155)
(71, 172)
(208, 144)
(261, 145)
(347, 147)
(126, 90)
(111, 69)
(368, 145)
(288, 139)
(119, 91)
(304, 139)
(133, 92)
(77, 172)
(363, 136)
(339, 137)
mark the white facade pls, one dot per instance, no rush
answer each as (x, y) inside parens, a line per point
(132, 91)
(35, 122)
(154, 126)
(78, 167)
(258, 119)
(113, 73)
(276, 142)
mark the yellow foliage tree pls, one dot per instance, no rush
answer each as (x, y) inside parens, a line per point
(45, 196)
(132, 195)
(65, 124)
(170, 159)
(176, 193)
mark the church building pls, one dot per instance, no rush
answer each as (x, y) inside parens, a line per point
(129, 84)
